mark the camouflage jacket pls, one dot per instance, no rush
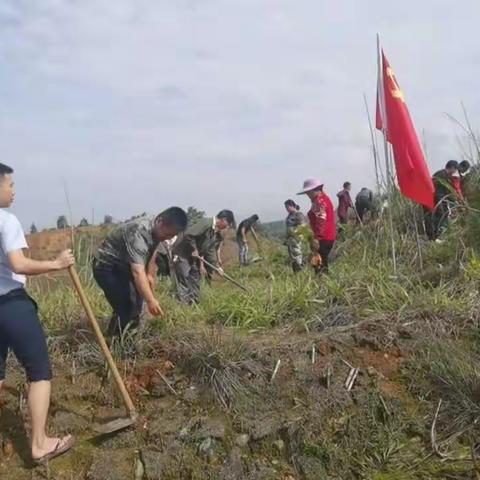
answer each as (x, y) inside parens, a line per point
(200, 236)
(131, 242)
(294, 220)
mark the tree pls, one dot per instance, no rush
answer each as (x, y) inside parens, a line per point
(33, 228)
(194, 215)
(107, 220)
(83, 222)
(62, 222)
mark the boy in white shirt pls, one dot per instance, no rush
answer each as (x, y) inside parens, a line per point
(20, 329)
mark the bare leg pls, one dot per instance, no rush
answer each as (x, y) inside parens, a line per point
(38, 404)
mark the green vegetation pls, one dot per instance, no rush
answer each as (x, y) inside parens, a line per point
(412, 333)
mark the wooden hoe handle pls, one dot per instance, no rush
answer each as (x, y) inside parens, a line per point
(101, 341)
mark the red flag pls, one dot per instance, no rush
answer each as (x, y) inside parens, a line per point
(393, 118)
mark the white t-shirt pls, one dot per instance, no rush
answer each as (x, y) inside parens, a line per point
(11, 238)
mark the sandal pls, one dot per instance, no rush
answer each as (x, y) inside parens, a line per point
(61, 447)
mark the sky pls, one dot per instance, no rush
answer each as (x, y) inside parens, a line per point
(137, 105)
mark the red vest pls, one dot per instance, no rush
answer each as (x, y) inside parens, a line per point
(322, 218)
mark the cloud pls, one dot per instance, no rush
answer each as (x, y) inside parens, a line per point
(142, 104)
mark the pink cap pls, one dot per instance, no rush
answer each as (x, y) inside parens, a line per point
(310, 184)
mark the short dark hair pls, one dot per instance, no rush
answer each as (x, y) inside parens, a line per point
(254, 217)
(174, 217)
(452, 164)
(5, 170)
(464, 165)
(291, 203)
(347, 184)
(228, 216)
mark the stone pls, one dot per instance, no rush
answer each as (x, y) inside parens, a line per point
(69, 422)
(126, 439)
(312, 468)
(264, 427)
(233, 467)
(211, 427)
(112, 465)
(153, 463)
(168, 423)
(242, 440)
(279, 445)
(191, 394)
(264, 473)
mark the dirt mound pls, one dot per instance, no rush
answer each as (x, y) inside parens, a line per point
(187, 431)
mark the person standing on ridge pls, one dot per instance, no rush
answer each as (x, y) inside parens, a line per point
(294, 219)
(447, 185)
(364, 203)
(322, 220)
(344, 203)
(244, 227)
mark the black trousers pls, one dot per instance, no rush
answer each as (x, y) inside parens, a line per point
(363, 205)
(436, 221)
(324, 250)
(121, 293)
(21, 332)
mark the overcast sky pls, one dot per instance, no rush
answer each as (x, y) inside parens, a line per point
(141, 104)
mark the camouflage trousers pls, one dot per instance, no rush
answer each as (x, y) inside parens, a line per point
(295, 254)
(242, 252)
(187, 281)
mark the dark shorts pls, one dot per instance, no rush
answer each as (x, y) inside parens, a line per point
(21, 332)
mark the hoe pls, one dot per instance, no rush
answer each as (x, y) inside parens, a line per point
(119, 423)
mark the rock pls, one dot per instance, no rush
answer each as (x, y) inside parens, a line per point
(312, 468)
(154, 464)
(167, 423)
(7, 446)
(264, 473)
(279, 445)
(191, 394)
(373, 372)
(264, 427)
(366, 341)
(211, 427)
(139, 469)
(159, 389)
(233, 467)
(323, 348)
(69, 422)
(127, 439)
(405, 332)
(205, 445)
(112, 465)
(242, 440)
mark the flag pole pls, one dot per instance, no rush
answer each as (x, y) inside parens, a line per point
(374, 147)
(381, 101)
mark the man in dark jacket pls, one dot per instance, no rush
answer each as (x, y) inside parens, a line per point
(445, 196)
(200, 241)
(244, 227)
(364, 203)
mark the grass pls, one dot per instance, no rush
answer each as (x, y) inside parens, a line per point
(366, 435)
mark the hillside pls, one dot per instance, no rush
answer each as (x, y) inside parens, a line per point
(340, 377)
